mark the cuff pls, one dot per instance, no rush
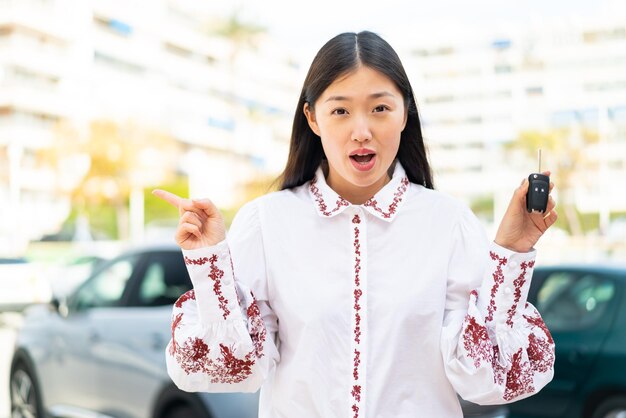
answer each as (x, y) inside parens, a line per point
(505, 285)
(211, 272)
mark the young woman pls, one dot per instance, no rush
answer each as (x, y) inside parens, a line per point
(357, 290)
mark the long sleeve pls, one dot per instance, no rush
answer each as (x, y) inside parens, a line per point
(223, 330)
(496, 348)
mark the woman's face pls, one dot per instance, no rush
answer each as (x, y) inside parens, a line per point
(359, 119)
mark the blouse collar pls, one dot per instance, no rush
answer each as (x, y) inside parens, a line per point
(384, 204)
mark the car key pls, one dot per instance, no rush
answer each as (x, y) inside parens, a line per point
(538, 189)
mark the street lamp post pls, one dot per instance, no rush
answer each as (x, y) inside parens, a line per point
(15, 153)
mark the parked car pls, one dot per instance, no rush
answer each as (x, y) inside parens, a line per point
(480, 411)
(102, 350)
(69, 273)
(584, 308)
(21, 284)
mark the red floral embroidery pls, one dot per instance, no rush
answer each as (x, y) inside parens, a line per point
(398, 195)
(320, 200)
(358, 293)
(256, 327)
(498, 371)
(216, 274)
(175, 323)
(498, 278)
(518, 283)
(540, 354)
(357, 362)
(192, 356)
(234, 369)
(476, 341)
(357, 282)
(519, 379)
(196, 261)
(357, 244)
(538, 322)
(253, 310)
(357, 317)
(356, 392)
(189, 295)
(232, 267)
(355, 409)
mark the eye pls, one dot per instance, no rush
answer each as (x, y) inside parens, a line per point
(381, 108)
(339, 111)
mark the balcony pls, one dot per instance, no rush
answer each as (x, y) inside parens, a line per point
(48, 18)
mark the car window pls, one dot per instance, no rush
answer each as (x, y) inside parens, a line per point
(106, 288)
(165, 278)
(570, 300)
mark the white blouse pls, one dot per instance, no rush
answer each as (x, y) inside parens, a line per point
(385, 309)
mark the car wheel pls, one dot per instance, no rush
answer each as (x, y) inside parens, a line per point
(614, 407)
(25, 401)
(182, 411)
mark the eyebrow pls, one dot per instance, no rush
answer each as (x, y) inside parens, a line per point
(371, 96)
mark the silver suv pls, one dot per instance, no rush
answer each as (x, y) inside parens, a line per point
(102, 349)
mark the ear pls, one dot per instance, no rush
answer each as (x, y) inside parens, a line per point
(310, 117)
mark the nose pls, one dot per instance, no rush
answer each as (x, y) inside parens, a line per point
(361, 131)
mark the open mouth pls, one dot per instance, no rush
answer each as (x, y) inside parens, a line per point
(362, 159)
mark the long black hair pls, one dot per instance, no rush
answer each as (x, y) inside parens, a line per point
(342, 54)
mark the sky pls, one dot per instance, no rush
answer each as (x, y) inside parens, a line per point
(308, 25)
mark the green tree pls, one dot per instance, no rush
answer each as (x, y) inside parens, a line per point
(242, 34)
(568, 150)
(116, 159)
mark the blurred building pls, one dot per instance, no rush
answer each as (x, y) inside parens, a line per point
(157, 63)
(229, 102)
(478, 88)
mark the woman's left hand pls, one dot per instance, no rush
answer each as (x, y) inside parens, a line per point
(520, 230)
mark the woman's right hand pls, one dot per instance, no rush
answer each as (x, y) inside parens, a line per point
(200, 224)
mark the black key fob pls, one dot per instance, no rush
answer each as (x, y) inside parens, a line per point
(537, 195)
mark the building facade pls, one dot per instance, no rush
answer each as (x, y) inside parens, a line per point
(158, 64)
(478, 89)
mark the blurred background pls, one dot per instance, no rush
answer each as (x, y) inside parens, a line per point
(102, 101)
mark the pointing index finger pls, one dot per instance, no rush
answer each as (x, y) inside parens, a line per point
(170, 198)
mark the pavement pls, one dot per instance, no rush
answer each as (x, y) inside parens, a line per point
(8, 324)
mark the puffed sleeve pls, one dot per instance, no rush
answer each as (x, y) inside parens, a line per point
(223, 330)
(496, 348)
